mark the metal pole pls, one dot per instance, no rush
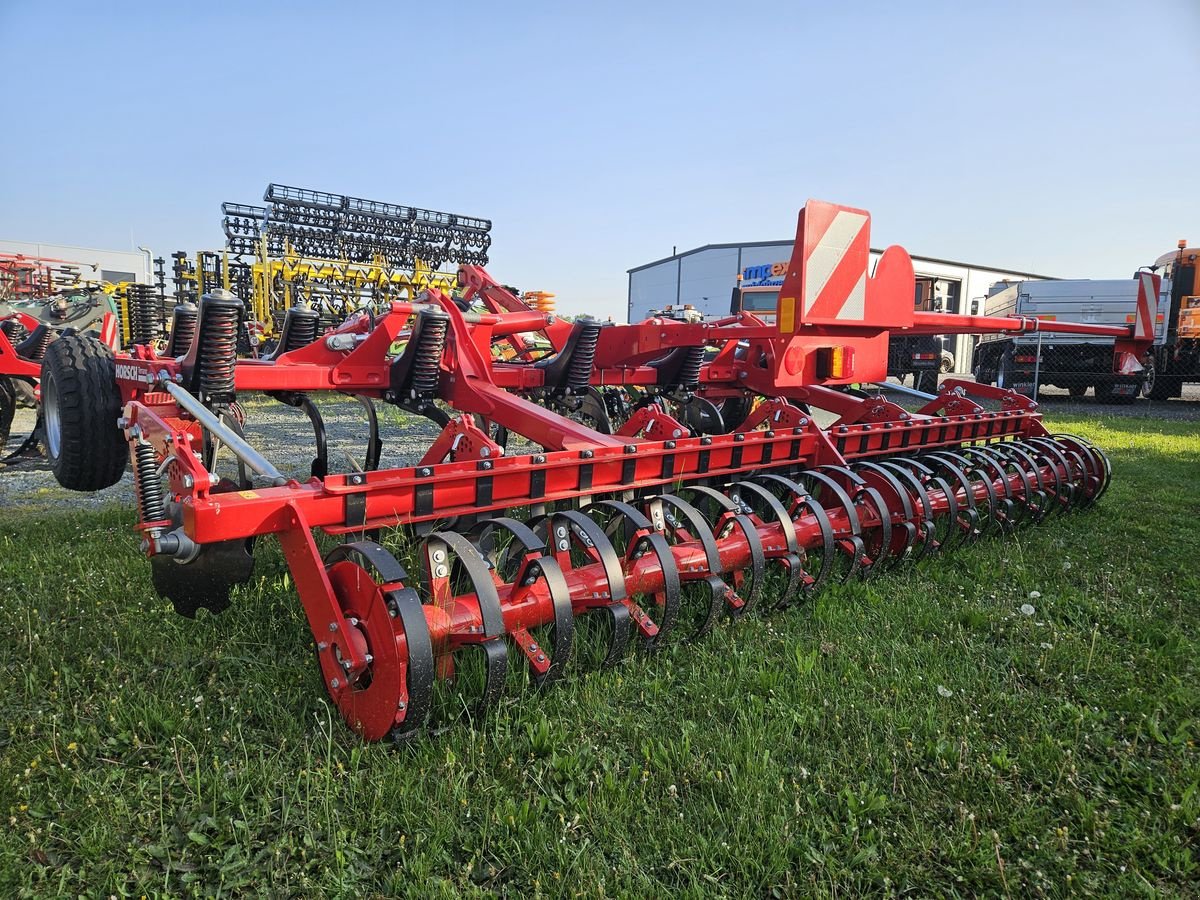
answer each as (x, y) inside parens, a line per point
(230, 438)
(1037, 366)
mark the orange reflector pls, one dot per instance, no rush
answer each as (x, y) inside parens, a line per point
(834, 362)
(1046, 318)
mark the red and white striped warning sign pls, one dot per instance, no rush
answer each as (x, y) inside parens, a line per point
(837, 250)
(1147, 305)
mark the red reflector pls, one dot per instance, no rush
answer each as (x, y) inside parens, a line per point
(1024, 359)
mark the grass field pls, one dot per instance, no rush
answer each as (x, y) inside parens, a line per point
(919, 733)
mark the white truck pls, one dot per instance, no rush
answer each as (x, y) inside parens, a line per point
(1073, 362)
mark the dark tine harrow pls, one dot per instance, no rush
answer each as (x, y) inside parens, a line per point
(331, 226)
(663, 489)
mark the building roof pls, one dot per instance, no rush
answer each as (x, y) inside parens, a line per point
(929, 259)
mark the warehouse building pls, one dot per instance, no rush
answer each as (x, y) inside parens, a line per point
(92, 265)
(706, 276)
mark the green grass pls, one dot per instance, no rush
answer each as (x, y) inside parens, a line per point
(917, 733)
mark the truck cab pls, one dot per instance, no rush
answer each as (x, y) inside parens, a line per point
(1177, 359)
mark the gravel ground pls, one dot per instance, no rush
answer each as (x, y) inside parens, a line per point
(285, 436)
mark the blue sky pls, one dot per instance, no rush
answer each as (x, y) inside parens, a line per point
(1056, 137)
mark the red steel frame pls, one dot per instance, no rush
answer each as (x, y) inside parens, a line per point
(374, 636)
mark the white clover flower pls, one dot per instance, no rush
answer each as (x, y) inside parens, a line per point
(944, 691)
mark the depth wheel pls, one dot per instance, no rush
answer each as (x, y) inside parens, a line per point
(80, 407)
(391, 694)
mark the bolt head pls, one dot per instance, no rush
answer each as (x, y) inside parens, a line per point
(335, 683)
(333, 626)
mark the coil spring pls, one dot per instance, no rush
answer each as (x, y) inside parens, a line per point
(427, 359)
(218, 350)
(14, 331)
(142, 327)
(38, 350)
(183, 329)
(579, 374)
(151, 500)
(689, 370)
(302, 329)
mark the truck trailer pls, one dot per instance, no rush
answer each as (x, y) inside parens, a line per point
(1076, 363)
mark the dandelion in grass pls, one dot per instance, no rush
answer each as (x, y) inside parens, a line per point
(944, 691)
(1027, 609)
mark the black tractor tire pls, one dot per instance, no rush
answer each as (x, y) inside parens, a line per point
(80, 407)
(1077, 389)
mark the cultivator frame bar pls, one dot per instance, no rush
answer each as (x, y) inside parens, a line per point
(716, 480)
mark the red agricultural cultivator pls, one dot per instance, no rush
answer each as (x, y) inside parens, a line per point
(672, 472)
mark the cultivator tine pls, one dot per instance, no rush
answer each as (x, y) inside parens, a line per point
(450, 559)
(801, 506)
(639, 539)
(729, 516)
(992, 471)
(990, 519)
(374, 442)
(1066, 490)
(1062, 495)
(848, 537)
(877, 521)
(683, 524)
(762, 506)
(576, 540)
(1036, 499)
(926, 543)
(905, 532)
(954, 527)
(1095, 463)
(523, 572)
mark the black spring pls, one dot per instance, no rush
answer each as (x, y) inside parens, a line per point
(183, 329)
(579, 374)
(427, 361)
(301, 327)
(151, 500)
(689, 369)
(217, 352)
(143, 314)
(37, 349)
(14, 331)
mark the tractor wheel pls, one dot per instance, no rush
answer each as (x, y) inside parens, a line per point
(80, 407)
(1077, 389)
